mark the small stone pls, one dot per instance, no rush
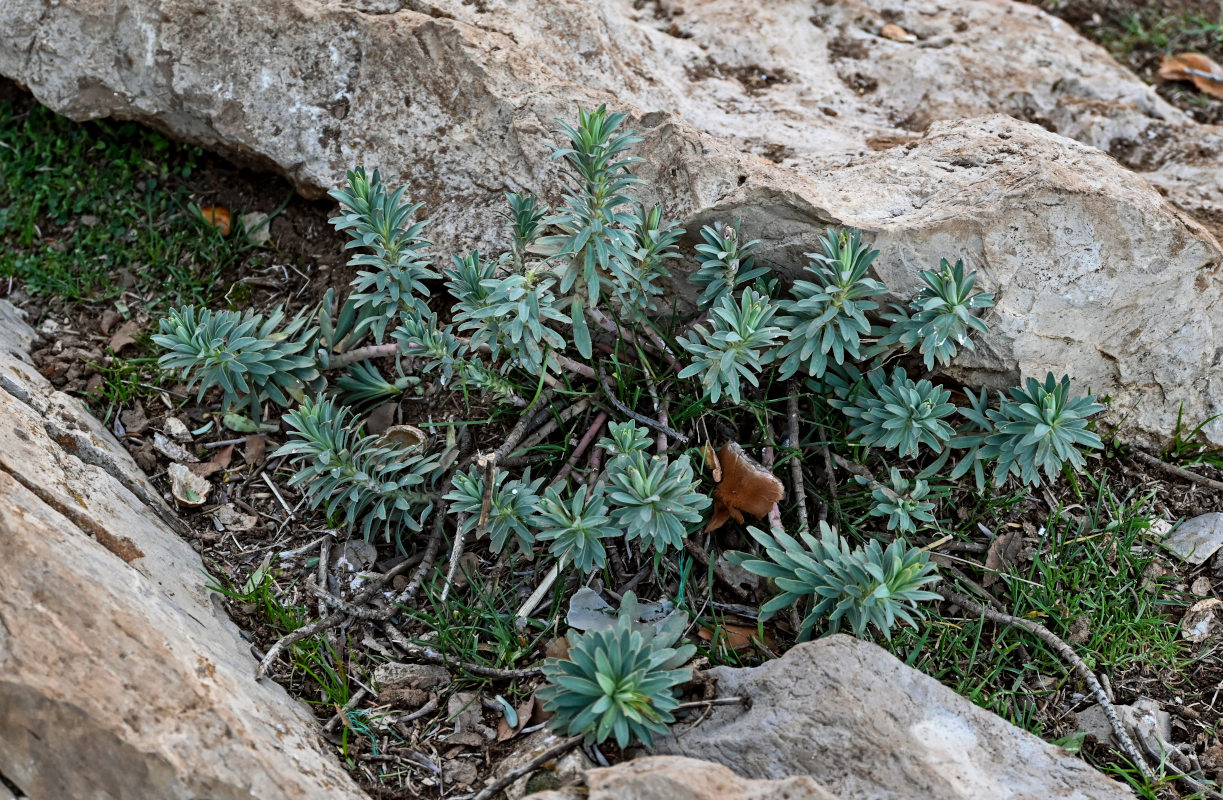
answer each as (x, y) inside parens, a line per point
(417, 676)
(176, 429)
(1201, 621)
(257, 227)
(1197, 539)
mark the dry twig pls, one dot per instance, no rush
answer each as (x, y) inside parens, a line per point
(1067, 653)
(429, 654)
(796, 461)
(633, 415)
(338, 617)
(490, 790)
(1163, 466)
(600, 420)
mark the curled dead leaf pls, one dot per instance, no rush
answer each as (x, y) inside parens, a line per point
(407, 438)
(1003, 552)
(745, 487)
(218, 217)
(711, 461)
(1205, 74)
(189, 490)
(125, 335)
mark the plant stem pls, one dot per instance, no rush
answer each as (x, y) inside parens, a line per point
(341, 360)
(796, 461)
(633, 415)
(600, 420)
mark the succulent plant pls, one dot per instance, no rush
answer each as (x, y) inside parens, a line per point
(1040, 427)
(575, 527)
(903, 502)
(901, 415)
(739, 346)
(654, 499)
(242, 354)
(862, 587)
(511, 505)
(373, 485)
(939, 320)
(726, 263)
(618, 682)
(827, 318)
(381, 221)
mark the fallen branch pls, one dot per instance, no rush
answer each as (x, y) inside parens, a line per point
(587, 438)
(796, 461)
(547, 429)
(429, 654)
(1163, 466)
(490, 790)
(376, 584)
(1067, 653)
(633, 415)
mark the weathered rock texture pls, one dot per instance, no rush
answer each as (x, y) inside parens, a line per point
(790, 116)
(864, 725)
(676, 778)
(119, 677)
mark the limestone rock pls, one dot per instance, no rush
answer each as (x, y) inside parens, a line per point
(119, 675)
(673, 777)
(788, 116)
(864, 725)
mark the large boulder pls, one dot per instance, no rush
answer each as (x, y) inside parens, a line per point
(792, 117)
(864, 725)
(678, 778)
(120, 676)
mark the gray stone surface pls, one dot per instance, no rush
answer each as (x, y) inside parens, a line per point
(789, 116)
(677, 778)
(119, 674)
(864, 725)
(1197, 539)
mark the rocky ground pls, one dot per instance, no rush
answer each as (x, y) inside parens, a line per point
(261, 544)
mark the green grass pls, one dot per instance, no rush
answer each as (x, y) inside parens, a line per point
(313, 660)
(1155, 29)
(1093, 567)
(85, 208)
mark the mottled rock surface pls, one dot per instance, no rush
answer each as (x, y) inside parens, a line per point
(119, 674)
(864, 725)
(677, 778)
(790, 116)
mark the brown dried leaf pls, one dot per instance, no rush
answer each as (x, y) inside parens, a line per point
(256, 450)
(1003, 552)
(125, 335)
(557, 648)
(737, 637)
(218, 217)
(219, 461)
(525, 710)
(711, 461)
(1205, 74)
(745, 487)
